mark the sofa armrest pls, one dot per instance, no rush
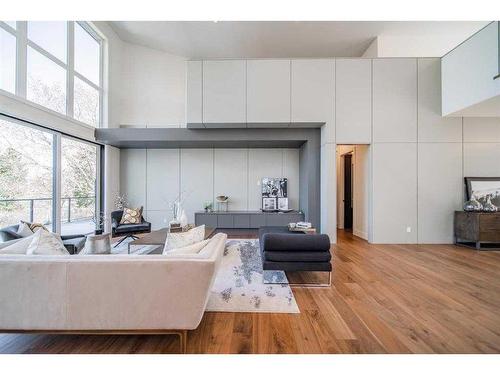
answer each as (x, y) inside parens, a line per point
(8, 235)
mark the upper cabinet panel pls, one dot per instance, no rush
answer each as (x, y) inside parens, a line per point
(394, 100)
(224, 91)
(194, 92)
(353, 101)
(268, 91)
(313, 89)
(432, 127)
(469, 87)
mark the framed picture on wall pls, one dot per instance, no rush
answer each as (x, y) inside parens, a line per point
(482, 188)
(269, 204)
(274, 187)
(283, 204)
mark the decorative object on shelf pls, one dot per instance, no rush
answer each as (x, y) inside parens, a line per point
(276, 187)
(175, 227)
(488, 206)
(222, 202)
(273, 189)
(178, 213)
(283, 204)
(208, 206)
(482, 188)
(120, 201)
(269, 204)
(473, 205)
(183, 219)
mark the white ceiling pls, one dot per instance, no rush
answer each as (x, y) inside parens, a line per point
(264, 39)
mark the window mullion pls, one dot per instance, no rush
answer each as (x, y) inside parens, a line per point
(21, 58)
(56, 184)
(70, 76)
(86, 80)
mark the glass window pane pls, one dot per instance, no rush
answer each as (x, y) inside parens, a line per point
(11, 24)
(78, 186)
(25, 174)
(87, 54)
(7, 61)
(46, 82)
(51, 36)
(86, 108)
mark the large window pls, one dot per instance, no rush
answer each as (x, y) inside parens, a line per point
(40, 167)
(78, 186)
(7, 61)
(57, 65)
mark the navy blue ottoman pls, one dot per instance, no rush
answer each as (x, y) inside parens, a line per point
(294, 251)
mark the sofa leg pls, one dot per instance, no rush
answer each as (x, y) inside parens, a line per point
(313, 285)
(183, 341)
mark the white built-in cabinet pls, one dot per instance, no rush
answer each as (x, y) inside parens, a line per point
(313, 90)
(394, 100)
(224, 91)
(353, 98)
(268, 91)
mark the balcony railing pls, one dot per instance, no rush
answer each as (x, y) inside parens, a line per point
(66, 202)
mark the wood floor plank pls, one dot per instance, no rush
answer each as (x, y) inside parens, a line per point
(383, 299)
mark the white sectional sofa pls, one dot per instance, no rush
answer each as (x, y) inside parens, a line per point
(108, 293)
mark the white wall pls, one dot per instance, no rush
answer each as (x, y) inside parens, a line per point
(362, 182)
(418, 158)
(153, 85)
(468, 73)
(153, 178)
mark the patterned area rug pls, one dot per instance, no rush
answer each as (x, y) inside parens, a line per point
(239, 285)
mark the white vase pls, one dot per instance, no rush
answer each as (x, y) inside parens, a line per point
(183, 219)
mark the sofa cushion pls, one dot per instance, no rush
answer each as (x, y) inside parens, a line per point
(190, 249)
(295, 242)
(46, 243)
(127, 228)
(17, 247)
(297, 256)
(24, 230)
(35, 226)
(182, 239)
(131, 216)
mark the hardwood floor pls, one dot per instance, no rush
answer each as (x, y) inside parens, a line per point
(384, 299)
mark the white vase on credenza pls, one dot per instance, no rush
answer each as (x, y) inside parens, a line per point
(183, 218)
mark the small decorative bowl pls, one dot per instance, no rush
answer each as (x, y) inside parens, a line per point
(222, 198)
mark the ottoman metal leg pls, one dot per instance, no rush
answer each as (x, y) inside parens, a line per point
(301, 285)
(313, 285)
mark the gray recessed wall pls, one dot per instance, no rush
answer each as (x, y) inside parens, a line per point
(154, 177)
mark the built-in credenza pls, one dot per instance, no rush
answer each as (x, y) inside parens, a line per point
(246, 219)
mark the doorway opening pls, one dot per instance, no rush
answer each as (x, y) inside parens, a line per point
(353, 173)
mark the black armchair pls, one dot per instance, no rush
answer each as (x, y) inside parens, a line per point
(127, 230)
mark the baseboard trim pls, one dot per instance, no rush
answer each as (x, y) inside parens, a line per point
(361, 234)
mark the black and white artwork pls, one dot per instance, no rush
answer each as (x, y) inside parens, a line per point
(283, 204)
(274, 187)
(482, 188)
(269, 204)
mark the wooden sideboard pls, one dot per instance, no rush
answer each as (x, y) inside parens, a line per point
(477, 228)
(246, 219)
